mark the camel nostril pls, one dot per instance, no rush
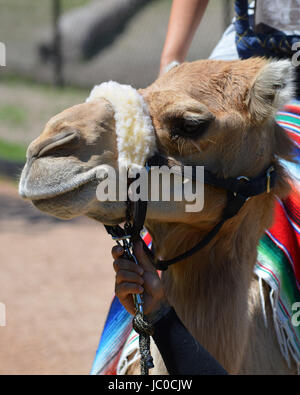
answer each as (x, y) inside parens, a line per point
(51, 143)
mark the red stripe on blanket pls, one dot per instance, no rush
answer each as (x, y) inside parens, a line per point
(293, 108)
(292, 125)
(147, 239)
(293, 209)
(294, 136)
(111, 367)
(288, 240)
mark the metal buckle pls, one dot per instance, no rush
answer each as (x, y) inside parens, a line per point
(269, 171)
(242, 178)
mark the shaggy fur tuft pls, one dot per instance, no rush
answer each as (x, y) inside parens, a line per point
(134, 130)
(274, 86)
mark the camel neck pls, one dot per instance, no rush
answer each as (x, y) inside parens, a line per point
(209, 291)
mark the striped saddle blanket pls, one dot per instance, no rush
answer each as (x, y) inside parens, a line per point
(278, 264)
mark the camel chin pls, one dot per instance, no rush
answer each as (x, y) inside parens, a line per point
(74, 204)
(67, 205)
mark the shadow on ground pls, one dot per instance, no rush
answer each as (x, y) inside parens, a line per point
(10, 169)
(15, 208)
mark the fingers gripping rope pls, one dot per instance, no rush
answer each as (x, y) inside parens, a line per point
(140, 324)
(145, 330)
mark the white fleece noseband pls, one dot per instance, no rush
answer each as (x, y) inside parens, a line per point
(134, 130)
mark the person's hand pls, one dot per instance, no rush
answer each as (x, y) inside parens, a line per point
(137, 279)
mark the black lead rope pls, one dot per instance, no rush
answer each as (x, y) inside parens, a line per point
(234, 204)
(143, 327)
(126, 237)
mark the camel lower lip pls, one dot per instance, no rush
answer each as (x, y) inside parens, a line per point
(50, 195)
(60, 189)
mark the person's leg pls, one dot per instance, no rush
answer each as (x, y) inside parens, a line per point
(226, 48)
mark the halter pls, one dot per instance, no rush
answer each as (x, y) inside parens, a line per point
(239, 191)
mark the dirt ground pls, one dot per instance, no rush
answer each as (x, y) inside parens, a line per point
(56, 283)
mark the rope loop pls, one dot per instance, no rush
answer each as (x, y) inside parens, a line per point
(143, 327)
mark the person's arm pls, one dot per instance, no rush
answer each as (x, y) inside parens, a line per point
(184, 20)
(181, 353)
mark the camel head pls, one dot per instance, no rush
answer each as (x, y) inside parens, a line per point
(218, 114)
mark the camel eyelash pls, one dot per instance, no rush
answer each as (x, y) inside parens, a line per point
(188, 129)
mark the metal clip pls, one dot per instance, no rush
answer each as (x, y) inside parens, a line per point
(128, 248)
(118, 238)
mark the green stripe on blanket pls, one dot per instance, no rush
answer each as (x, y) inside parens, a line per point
(270, 255)
(289, 119)
(274, 268)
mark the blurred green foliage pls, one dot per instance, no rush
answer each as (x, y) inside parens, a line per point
(13, 115)
(68, 4)
(12, 151)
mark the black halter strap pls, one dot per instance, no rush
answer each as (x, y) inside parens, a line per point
(240, 185)
(239, 190)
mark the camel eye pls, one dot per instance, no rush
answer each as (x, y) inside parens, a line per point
(189, 128)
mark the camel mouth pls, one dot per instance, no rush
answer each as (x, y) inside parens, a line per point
(31, 189)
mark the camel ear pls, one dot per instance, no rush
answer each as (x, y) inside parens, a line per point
(272, 88)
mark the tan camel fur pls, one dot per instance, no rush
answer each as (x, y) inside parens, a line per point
(224, 112)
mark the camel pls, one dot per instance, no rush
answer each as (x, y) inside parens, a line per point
(219, 114)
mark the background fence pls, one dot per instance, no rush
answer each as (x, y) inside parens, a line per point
(132, 56)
